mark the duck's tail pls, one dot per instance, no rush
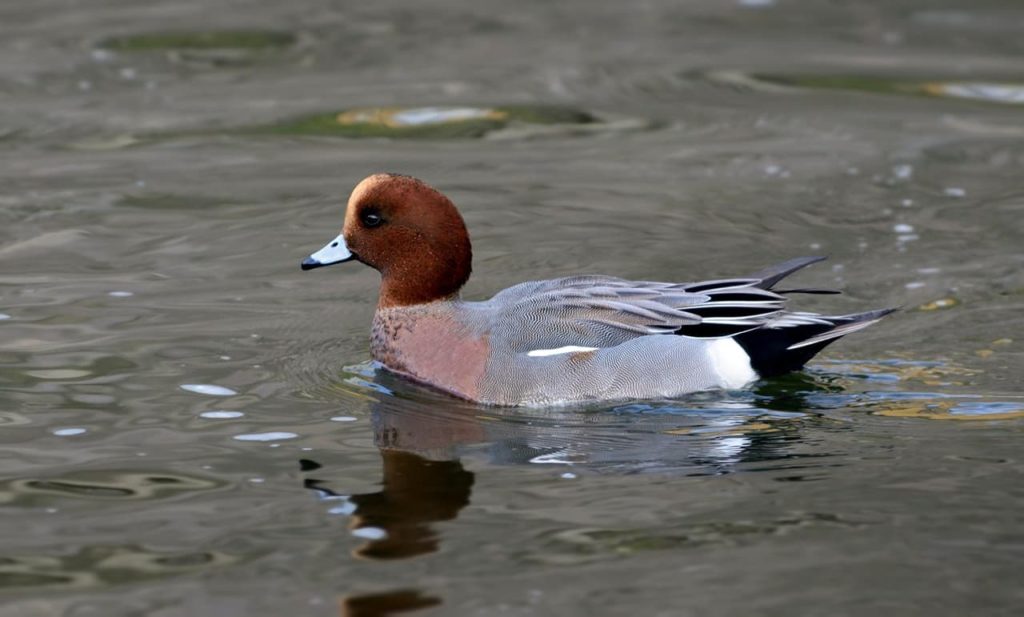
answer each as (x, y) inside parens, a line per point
(787, 343)
(751, 311)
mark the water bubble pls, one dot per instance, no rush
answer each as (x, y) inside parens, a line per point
(68, 432)
(4, 316)
(955, 191)
(344, 419)
(346, 508)
(221, 415)
(101, 55)
(210, 389)
(903, 228)
(903, 172)
(370, 533)
(271, 436)
(568, 475)
(120, 294)
(915, 285)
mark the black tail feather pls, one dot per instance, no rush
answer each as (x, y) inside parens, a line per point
(773, 274)
(777, 350)
(809, 290)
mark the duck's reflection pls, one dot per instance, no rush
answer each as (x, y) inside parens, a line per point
(416, 492)
(423, 482)
(387, 603)
(395, 520)
(423, 440)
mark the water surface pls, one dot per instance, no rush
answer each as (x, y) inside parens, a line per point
(189, 424)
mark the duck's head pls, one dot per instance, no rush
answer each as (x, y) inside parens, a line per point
(408, 231)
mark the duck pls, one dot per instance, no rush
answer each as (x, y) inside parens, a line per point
(576, 339)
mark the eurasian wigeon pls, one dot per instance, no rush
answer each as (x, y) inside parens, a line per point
(579, 338)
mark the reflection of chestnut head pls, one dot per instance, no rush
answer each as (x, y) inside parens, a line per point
(416, 492)
(388, 603)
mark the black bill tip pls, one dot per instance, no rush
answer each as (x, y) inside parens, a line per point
(309, 263)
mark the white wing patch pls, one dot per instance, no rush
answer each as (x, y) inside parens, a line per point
(540, 353)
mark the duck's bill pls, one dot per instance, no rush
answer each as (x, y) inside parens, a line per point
(335, 252)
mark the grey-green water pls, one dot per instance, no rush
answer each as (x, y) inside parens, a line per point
(155, 202)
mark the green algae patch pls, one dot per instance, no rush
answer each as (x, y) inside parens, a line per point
(435, 122)
(951, 409)
(249, 40)
(880, 85)
(983, 91)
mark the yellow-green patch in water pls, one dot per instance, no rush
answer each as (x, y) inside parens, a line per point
(941, 303)
(429, 122)
(950, 409)
(985, 91)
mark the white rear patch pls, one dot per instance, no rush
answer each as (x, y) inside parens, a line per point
(730, 363)
(540, 353)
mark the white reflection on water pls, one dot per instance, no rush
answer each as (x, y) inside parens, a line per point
(271, 436)
(369, 533)
(221, 415)
(69, 432)
(996, 93)
(209, 389)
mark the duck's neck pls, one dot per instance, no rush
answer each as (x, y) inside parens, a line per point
(433, 279)
(398, 296)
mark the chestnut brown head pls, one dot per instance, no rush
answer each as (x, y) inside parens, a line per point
(408, 231)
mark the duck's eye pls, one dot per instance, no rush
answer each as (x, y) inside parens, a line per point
(371, 218)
